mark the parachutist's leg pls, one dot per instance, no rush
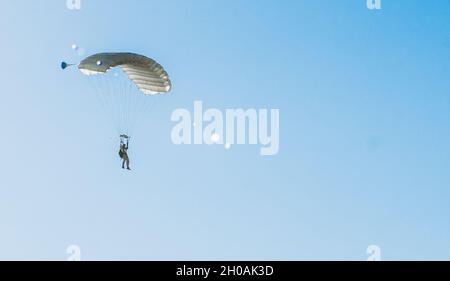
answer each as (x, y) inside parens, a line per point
(123, 164)
(128, 164)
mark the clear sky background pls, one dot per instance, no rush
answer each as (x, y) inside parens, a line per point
(364, 99)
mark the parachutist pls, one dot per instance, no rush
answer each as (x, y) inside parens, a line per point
(124, 154)
(144, 77)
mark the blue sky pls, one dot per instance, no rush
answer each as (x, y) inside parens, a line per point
(364, 132)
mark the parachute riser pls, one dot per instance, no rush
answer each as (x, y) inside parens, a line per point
(124, 138)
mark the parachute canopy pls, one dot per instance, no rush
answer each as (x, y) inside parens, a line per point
(126, 84)
(148, 75)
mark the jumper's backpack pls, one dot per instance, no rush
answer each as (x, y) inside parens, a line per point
(120, 153)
